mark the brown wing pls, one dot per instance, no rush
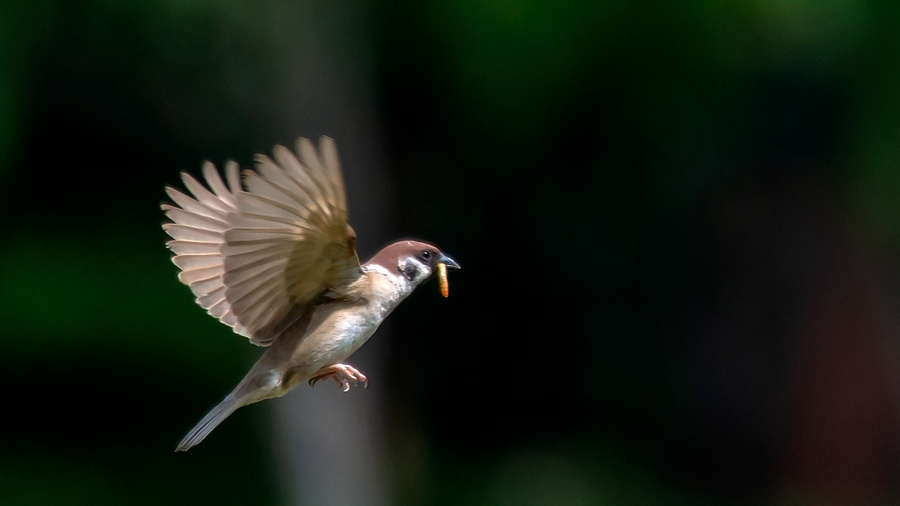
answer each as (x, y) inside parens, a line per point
(285, 242)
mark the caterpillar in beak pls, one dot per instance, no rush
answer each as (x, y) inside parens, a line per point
(442, 279)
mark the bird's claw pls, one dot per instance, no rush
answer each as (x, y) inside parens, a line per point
(342, 374)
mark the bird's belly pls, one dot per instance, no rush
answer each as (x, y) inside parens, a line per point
(351, 334)
(330, 340)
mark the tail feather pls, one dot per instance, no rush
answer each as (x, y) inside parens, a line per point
(209, 422)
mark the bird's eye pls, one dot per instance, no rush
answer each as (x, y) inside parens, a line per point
(426, 255)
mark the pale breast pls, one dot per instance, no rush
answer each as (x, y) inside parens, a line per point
(338, 329)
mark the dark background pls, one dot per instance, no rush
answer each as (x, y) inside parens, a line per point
(679, 228)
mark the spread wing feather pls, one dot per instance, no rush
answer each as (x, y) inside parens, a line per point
(259, 257)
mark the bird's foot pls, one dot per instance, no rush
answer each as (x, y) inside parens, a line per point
(342, 374)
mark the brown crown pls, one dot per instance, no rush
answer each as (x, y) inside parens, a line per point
(390, 255)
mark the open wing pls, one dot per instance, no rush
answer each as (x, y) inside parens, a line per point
(259, 259)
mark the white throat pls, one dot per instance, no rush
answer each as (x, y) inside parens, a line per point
(392, 290)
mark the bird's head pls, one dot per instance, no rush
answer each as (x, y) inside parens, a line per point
(415, 262)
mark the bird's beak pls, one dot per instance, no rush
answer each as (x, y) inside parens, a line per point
(449, 262)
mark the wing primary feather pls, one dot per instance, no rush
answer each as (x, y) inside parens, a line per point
(229, 319)
(262, 188)
(188, 262)
(295, 173)
(257, 312)
(252, 296)
(251, 221)
(192, 276)
(238, 255)
(268, 319)
(261, 313)
(260, 208)
(216, 184)
(188, 233)
(233, 175)
(331, 160)
(204, 287)
(279, 250)
(325, 180)
(252, 275)
(252, 242)
(212, 298)
(245, 235)
(238, 265)
(265, 247)
(183, 217)
(310, 159)
(279, 175)
(203, 195)
(218, 309)
(191, 205)
(193, 248)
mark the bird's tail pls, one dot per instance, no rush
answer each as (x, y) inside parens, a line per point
(212, 420)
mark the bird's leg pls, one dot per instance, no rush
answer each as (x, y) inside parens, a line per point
(342, 374)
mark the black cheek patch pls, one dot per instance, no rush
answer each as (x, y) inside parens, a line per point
(409, 270)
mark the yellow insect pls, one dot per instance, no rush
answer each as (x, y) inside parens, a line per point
(442, 279)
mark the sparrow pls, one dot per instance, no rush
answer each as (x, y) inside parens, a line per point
(275, 259)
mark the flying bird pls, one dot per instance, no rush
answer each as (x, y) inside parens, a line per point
(277, 263)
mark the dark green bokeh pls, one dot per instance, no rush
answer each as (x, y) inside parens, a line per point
(652, 205)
